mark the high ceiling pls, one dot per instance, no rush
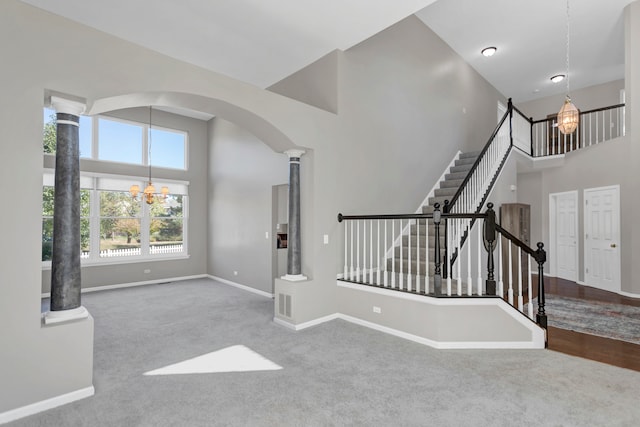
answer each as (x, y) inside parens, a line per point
(531, 41)
(261, 42)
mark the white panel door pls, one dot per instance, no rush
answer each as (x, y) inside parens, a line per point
(602, 238)
(567, 235)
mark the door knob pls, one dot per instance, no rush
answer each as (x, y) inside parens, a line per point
(613, 245)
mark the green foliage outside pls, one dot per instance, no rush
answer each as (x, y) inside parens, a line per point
(47, 221)
(49, 136)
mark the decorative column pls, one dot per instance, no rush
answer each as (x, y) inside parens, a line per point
(65, 262)
(294, 252)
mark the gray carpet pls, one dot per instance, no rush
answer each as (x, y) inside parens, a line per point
(335, 374)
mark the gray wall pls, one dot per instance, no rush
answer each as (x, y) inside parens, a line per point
(103, 275)
(585, 99)
(242, 173)
(316, 84)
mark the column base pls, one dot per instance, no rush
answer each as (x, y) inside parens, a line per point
(63, 316)
(294, 277)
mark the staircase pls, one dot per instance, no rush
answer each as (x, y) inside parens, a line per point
(446, 189)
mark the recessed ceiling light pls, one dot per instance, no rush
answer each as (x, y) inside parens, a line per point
(489, 51)
(557, 78)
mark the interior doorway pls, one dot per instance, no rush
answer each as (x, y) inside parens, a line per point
(602, 237)
(280, 214)
(563, 230)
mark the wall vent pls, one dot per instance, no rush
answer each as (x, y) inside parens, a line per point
(284, 305)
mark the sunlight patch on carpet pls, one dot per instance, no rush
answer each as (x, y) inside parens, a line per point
(237, 358)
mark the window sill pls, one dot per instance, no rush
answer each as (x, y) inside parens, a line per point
(124, 260)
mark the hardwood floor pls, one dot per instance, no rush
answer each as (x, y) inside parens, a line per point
(610, 351)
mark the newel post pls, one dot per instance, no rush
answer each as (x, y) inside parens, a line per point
(541, 258)
(490, 239)
(437, 275)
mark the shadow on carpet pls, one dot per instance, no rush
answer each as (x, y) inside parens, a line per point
(604, 319)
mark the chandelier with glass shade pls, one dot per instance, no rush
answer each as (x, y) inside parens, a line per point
(568, 116)
(149, 194)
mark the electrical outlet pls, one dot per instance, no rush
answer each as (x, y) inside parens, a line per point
(235, 273)
(377, 309)
(266, 235)
(147, 271)
(326, 239)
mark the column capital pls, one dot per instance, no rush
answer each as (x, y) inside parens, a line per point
(62, 105)
(294, 152)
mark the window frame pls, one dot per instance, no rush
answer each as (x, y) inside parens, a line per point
(94, 258)
(95, 141)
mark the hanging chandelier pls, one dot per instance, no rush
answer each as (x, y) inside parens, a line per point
(149, 194)
(569, 116)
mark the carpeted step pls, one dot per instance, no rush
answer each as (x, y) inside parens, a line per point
(455, 175)
(451, 183)
(461, 168)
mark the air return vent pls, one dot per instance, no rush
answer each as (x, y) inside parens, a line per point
(284, 305)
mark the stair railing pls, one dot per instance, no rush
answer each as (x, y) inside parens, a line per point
(366, 238)
(475, 188)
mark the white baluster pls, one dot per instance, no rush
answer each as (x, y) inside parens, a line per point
(510, 277)
(386, 248)
(393, 252)
(409, 259)
(529, 290)
(371, 252)
(352, 274)
(346, 254)
(426, 256)
(401, 284)
(500, 282)
(364, 251)
(418, 255)
(448, 259)
(358, 251)
(480, 241)
(378, 282)
(459, 260)
(520, 299)
(469, 279)
(365, 270)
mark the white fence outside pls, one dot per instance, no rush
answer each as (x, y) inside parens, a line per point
(153, 250)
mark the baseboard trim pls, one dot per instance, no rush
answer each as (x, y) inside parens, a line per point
(623, 293)
(240, 286)
(308, 324)
(45, 405)
(133, 284)
(457, 345)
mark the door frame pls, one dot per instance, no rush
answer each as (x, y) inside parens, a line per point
(617, 267)
(553, 237)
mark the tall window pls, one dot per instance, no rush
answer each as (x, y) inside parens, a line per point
(47, 221)
(114, 226)
(123, 141)
(119, 224)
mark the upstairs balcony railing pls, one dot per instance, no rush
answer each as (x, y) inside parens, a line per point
(595, 126)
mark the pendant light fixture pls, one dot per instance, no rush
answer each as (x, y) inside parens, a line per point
(569, 116)
(149, 192)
